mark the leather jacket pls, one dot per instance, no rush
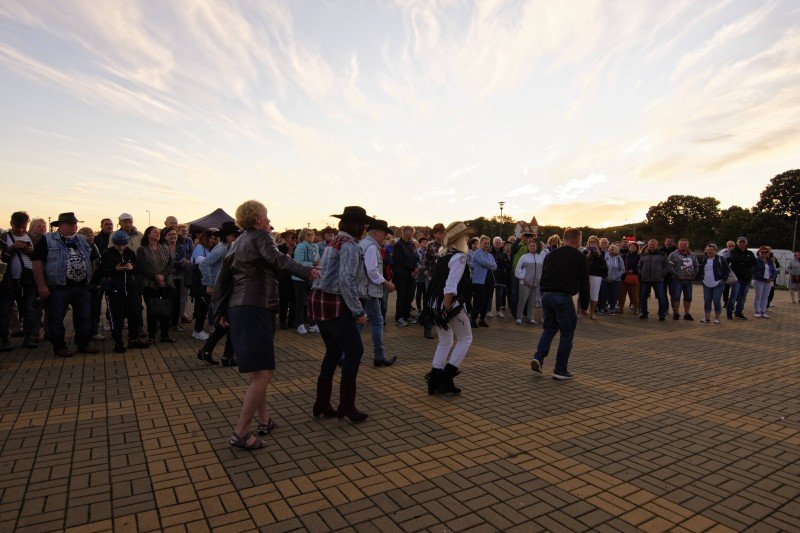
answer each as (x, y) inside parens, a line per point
(250, 271)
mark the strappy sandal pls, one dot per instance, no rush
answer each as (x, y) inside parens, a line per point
(241, 442)
(263, 428)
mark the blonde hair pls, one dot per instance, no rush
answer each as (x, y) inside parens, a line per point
(613, 249)
(86, 230)
(35, 221)
(248, 212)
(554, 240)
(592, 238)
(306, 231)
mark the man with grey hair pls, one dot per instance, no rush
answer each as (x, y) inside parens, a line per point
(404, 268)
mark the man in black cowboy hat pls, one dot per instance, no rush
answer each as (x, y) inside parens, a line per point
(209, 270)
(62, 267)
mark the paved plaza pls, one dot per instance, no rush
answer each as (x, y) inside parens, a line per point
(667, 426)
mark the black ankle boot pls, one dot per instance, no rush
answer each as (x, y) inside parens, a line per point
(228, 360)
(434, 378)
(322, 405)
(205, 355)
(446, 384)
(347, 402)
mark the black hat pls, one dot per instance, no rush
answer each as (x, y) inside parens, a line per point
(357, 214)
(228, 228)
(66, 217)
(381, 225)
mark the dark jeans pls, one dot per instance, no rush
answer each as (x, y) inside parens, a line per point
(644, 295)
(124, 308)
(558, 314)
(341, 336)
(217, 334)
(513, 296)
(738, 297)
(154, 321)
(300, 296)
(95, 310)
(25, 298)
(609, 292)
(405, 287)
(287, 301)
(478, 302)
(499, 296)
(175, 313)
(420, 294)
(200, 309)
(80, 299)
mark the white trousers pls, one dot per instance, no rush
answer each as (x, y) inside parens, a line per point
(762, 295)
(458, 326)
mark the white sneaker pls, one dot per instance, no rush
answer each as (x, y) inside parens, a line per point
(532, 322)
(402, 323)
(301, 329)
(106, 327)
(716, 321)
(98, 337)
(200, 335)
(757, 315)
(764, 315)
(518, 322)
(501, 314)
(490, 315)
(313, 329)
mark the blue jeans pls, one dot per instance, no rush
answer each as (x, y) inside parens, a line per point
(677, 287)
(738, 297)
(80, 299)
(558, 312)
(499, 296)
(712, 295)
(372, 306)
(644, 294)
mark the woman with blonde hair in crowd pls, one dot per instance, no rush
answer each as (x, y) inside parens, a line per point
(155, 263)
(598, 269)
(37, 228)
(764, 274)
(609, 289)
(529, 274)
(205, 243)
(245, 297)
(629, 286)
(712, 271)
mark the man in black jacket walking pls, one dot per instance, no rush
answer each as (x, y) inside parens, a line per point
(404, 268)
(564, 273)
(741, 261)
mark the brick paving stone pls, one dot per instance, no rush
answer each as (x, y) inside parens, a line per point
(140, 441)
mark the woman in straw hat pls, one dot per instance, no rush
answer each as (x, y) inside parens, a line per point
(446, 298)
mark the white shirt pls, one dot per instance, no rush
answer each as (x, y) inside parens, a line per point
(708, 275)
(371, 265)
(457, 264)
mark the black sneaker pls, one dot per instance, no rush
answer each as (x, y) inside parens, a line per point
(730, 316)
(643, 316)
(687, 316)
(119, 348)
(536, 366)
(676, 316)
(662, 318)
(740, 316)
(562, 375)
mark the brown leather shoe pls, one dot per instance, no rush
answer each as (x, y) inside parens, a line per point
(88, 350)
(63, 352)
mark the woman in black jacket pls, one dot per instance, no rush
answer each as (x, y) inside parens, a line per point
(598, 270)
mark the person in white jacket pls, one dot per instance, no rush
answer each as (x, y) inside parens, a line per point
(529, 272)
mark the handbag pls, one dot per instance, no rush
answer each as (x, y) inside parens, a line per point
(731, 278)
(159, 306)
(631, 279)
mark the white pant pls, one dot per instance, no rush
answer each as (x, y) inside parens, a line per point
(594, 287)
(527, 295)
(458, 325)
(762, 295)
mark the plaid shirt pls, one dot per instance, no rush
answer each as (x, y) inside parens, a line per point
(325, 305)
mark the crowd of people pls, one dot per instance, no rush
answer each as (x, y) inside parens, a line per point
(244, 279)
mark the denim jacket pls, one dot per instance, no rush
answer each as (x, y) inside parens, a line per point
(306, 254)
(55, 269)
(339, 271)
(209, 268)
(759, 271)
(482, 262)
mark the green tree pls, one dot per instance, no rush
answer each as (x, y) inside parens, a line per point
(734, 222)
(782, 195)
(685, 216)
(770, 229)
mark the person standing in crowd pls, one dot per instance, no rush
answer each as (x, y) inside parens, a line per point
(793, 271)
(403, 272)
(62, 268)
(565, 273)
(666, 250)
(683, 268)
(609, 289)
(305, 253)
(598, 269)
(209, 271)
(447, 300)
(529, 274)
(725, 254)
(653, 267)
(328, 233)
(431, 257)
(764, 274)
(371, 290)
(713, 270)
(94, 285)
(420, 279)
(245, 299)
(6, 298)
(22, 285)
(482, 265)
(500, 275)
(126, 224)
(518, 249)
(181, 262)
(37, 229)
(629, 286)
(183, 295)
(102, 239)
(335, 305)
(155, 263)
(742, 262)
(205, 244)
(288, 304)
(777, 265)
(118, 274)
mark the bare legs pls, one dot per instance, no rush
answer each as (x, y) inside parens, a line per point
(255, 399)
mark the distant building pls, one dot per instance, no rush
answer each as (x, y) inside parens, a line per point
(526, 227)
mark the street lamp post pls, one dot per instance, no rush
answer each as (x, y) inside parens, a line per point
(794, 235)
(501, 210)
(148, 216)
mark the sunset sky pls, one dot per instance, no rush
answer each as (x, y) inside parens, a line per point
(579, 112)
